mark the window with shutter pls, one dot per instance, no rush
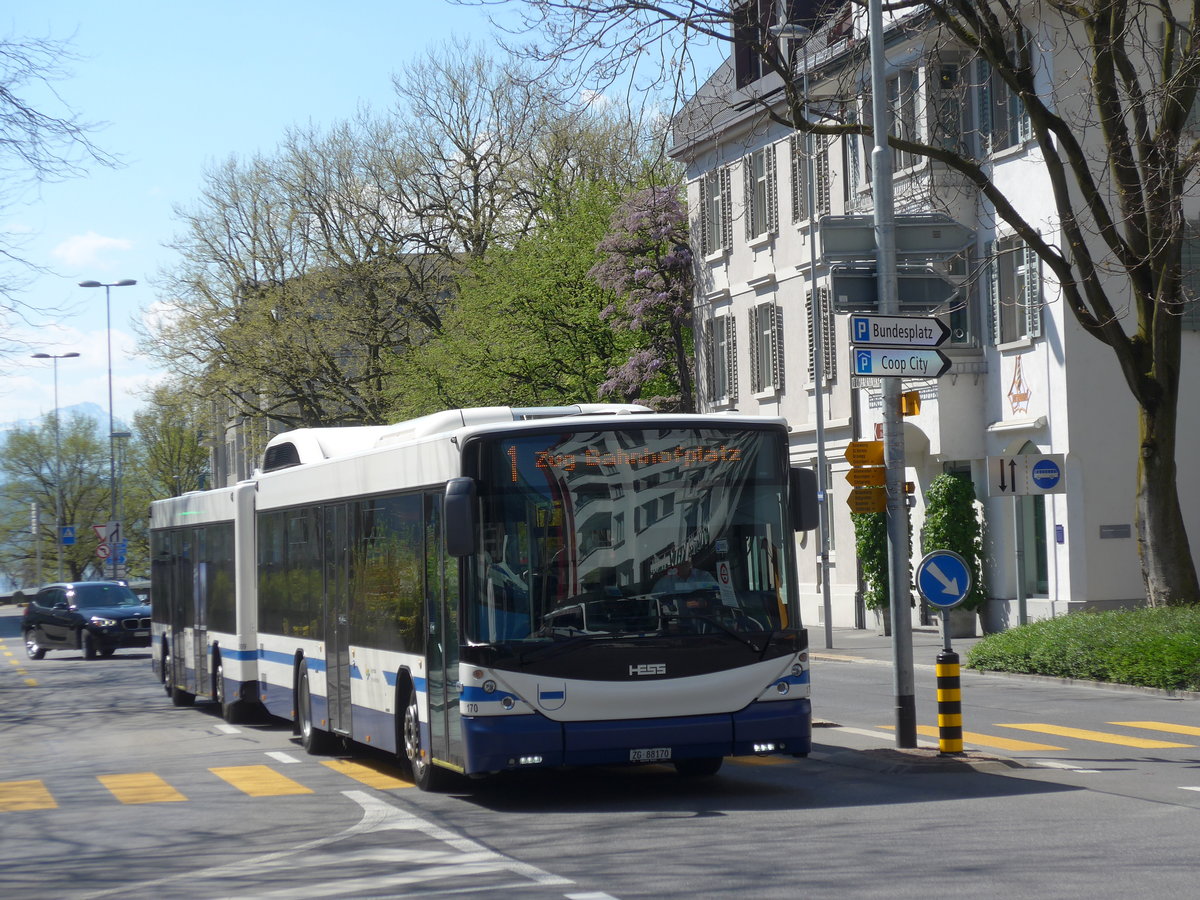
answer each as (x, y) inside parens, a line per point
(823, 317)
(759, 192)
(1014, 291)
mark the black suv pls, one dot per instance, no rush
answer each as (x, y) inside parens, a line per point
(97, 617)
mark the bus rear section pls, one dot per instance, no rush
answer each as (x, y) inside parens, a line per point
(203, 598)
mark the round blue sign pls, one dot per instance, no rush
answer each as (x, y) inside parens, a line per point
(944, 579)
(1046, 474)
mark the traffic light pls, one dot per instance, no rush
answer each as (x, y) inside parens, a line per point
(910, 403)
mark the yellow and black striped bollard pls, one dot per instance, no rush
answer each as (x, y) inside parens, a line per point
(949, 703)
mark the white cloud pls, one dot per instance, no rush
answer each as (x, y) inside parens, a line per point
(86, 249)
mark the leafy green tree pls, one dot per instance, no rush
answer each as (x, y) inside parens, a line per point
(28, 464)
(952, 522)
(526, 328)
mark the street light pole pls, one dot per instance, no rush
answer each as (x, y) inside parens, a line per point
(58, 498)
(785, 31)
(112, 450)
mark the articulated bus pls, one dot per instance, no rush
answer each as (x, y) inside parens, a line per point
(203, 592)
(483, 590)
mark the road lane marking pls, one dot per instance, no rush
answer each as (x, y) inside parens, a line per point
(371, 774)
(140, 787)
(16, 796)
(1053, 764)
(228, 729)
(280, 756)
(259, 781)
(1161, 726)
(1102, 737)
(990, 740)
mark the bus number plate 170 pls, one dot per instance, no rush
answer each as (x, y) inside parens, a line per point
(650, 754)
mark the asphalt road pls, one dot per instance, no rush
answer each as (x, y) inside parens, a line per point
(107, 790)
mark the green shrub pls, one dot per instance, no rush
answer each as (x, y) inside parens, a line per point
(952, 522)
(1157, 647)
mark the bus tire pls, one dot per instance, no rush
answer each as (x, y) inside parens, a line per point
(699, 768)
(231, 712)
(180, 697)
(425, 774)
(312, 739)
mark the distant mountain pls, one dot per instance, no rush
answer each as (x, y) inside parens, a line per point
(93, 411)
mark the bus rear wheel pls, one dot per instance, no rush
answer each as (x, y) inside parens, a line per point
(312, 739)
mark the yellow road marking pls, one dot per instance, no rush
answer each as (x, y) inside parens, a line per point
(369, 773)
(1161, 726)
(976, 739)
(32, 682)
(21, 795)
(761, 760)
(1102, 737)
(140, 787)
(259, 781)
(14, 662)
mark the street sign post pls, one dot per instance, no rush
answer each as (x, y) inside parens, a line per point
(856, 289)
(928, 235)
(865, 453)
(1026, 473)
(899, 362)
(944, 579)
(868, 476)
(893, 331)
(867, 500)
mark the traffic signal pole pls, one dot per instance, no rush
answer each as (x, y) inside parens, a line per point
(893, 434)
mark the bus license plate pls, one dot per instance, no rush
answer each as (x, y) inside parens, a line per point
(651, 754)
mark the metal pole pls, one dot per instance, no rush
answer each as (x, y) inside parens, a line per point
(818, 351)
(57, 476)
(893, 435)
(112, 456)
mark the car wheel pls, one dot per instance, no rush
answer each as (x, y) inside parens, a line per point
(87, 644)
(698, 768)
(108, 651)
(425, 774)
(32, 649)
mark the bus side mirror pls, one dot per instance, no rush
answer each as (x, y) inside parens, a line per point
(802, 499)
(459, 517)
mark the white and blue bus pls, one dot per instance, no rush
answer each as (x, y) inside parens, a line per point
(483, 590)
(202, 594)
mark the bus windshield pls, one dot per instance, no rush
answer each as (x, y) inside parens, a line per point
(632, 532)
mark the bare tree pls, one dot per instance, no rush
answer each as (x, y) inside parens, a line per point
(36, 146)
(1117, 130)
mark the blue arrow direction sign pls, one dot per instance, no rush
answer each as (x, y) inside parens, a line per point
(899, 362)
(944, 579)
(906, 331)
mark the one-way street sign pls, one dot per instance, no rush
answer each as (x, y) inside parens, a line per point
(899, 362)
(906, 331)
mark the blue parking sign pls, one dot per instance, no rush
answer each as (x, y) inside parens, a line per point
(66, 535)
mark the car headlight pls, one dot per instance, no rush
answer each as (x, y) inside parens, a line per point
(102, 622)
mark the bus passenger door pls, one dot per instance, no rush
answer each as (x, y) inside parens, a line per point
(199, 592)
(337, 616)
(181, 607)
(445, 688)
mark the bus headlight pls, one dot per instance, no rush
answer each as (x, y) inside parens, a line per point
(782, 687)
(489, 687)
(508, 702)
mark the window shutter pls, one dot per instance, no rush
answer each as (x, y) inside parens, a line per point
(748, 210)
(984, 77)
(731, 382)
(777, 346)
(706, 226)
(821, 149)
(772, 210)
(710, 352)
(992, 284)
(755, 386)
(799, 200)
(828, 333)
(726, 209)
(1033, 292)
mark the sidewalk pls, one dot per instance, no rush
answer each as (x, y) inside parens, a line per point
(872, 644)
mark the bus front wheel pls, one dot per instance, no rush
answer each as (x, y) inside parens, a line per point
(312, 738)
(425, 774)
(698, 768)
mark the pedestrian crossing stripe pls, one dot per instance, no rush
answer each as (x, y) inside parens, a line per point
(1102, 737)
(259, 781)
(140, 787)
(23, 795)
(1161, 726)
(975, 739)
(372, 775)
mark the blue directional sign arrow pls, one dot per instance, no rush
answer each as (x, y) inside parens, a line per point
(944, 579)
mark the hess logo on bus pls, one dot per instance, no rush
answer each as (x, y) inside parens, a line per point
(648, 669)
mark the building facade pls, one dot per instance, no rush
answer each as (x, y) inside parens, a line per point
(1024, 376)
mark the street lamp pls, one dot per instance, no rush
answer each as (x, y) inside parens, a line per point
(112, 453)
(785, 31)
(58, 504)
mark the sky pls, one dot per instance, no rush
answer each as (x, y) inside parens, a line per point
(181, 88)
